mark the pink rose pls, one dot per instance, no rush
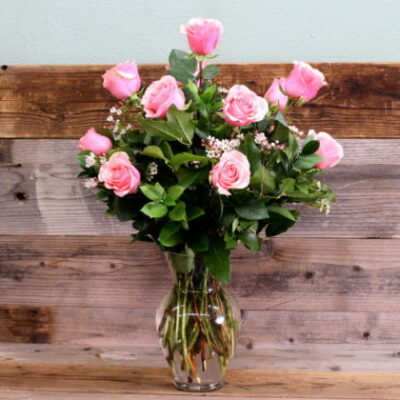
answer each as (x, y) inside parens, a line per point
(95, 142)
(119, 175)
(123, 80)
(203, 34)
(242, 106)
(329, 149)
(304, 81)
(160, 95)
(232, 172)
(274, 94)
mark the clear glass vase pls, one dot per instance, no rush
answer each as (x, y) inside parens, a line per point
(198, 324)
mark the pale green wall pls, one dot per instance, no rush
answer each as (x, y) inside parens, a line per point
(107, 31)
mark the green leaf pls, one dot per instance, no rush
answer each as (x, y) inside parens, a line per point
(183, 158)
(278, 224)
(193, 212)
(281, 133)
(293, 147)
(179, 126)
(209, 93)
(305, 162)
(217, 260)
(154, 210)
(263, 180)
(210, 71)
(166, 149)
(252, 210)
(174, 192)
(252, 152)
(153, 192)
(102, 194)
(189, 176)
(183, 261)
(284, 212)
(178, 213)
(310, 147)
(171, 234)
(180, 62)
(200, 242)
(287, 185)
(153, 151)
(250, 240)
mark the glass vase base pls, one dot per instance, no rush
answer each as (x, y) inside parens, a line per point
(198, 387)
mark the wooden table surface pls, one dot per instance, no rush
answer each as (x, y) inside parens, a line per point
(78, 373)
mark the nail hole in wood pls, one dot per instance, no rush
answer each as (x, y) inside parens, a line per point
(309, 275)
(366, 335)
(4, 67)
(357, 268)
(86, 349)
(21, 196)
(249, 346)
(291, 340)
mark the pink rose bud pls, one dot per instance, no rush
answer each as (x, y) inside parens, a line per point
(123, 80)
(203, 34)
(329, 149)
(242, 106)
(119, 175)
(304, 81)
(274, 94)
(95, 142)
(231, 172)
(160, 95)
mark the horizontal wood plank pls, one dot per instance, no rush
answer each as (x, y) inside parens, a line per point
(39, 193)
(238, 383)
(362, 100)
(350, 275)
(341, 357)
(270, 329)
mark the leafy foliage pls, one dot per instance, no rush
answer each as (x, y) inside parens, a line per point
(176, 207)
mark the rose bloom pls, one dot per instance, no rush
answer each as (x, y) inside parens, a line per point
(329, 149)
(95, 142)
(123, 80)
(119, 175)
(231, 172)
(274, 94)
(242, 106)
(304, 81)
(203, 34)
(160, 95)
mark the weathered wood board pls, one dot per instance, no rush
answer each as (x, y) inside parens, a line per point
(73, 291)
(41, 195)
(362, 100)
(252, 383)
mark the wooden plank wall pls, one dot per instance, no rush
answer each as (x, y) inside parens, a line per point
(325, 295)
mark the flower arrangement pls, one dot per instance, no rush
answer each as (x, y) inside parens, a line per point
(200, 169)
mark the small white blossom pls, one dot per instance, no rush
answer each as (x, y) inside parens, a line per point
(103, 160)
(324, 206)
(215, 148)
(222, 90)
(90, 160)
(152, 170)
(128, 127)
(90, 183)
(220, 320)
(110, 118)
(294, 129)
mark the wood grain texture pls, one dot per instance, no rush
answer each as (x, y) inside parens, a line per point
(349, 275)
(238, 383)
(342, 357)
(273, 329)
(41, 195)
(362, 100)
